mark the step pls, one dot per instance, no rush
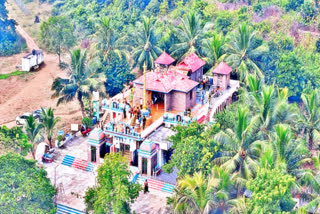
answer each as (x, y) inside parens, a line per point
(68, 160)
(77, 163)
(157, 185)
(65, 209)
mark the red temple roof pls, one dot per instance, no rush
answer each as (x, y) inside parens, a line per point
(222, 68)
(166, 82)
(164, 59)
(191, 62)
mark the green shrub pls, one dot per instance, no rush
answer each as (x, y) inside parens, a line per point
(318, 45)
(87, 122)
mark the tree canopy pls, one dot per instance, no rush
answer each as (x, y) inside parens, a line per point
(114, 192)
(25, 188)
(57, 35)
(10, 41)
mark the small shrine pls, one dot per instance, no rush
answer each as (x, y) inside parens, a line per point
(221, 76)
(163, 62)
(99, 145)
(192, 66)
(147, 157)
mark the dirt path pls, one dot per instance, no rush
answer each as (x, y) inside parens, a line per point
(30, 42)
(24, 94)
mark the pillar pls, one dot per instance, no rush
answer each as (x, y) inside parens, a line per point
(89, 153)
(140, 164)
(149, 173)
(160, 161)
(98, 154)
(165, 102)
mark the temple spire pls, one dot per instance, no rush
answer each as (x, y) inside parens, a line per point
(144, 86)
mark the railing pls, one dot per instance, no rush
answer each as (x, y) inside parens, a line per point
(177, 119)
(115, 106)
(127, 130)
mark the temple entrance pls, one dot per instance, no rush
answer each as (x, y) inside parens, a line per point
(166, 155)
(93, 154)
(157, 97)
(144, 165)
(124, 148)
(104, 149)
(134, 161)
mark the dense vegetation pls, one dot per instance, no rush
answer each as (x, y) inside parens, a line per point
(263, 159)
(114, 191)
(274, 39)
(10, 41)
(263, 151)
(24, 187)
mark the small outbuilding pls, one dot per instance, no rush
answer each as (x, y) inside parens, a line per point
(221, 75)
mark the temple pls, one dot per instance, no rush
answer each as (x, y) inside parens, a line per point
(137, 122)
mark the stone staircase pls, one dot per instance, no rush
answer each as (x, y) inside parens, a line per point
(156, 184)
(62, 209)
(126, 154)
(77, 163)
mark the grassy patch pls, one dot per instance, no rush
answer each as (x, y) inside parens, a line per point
(15, 73)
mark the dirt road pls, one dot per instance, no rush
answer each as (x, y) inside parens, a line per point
(24, 94)
(30, 42)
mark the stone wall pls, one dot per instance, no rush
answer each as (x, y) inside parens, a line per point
(138, 94)
(191, 101)
(178, 100)
(221, 80)
(198, 74)
(167, 101)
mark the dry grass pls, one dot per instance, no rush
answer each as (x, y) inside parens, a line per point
(27, 21)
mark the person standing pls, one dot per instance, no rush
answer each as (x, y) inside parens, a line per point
(141, 103)
(144, 120)
(138, 113)
(146, 187)
(124, 113)
(202, 98)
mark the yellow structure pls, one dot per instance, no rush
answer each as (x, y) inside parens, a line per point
(144, 87)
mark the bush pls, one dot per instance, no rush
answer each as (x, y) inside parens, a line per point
(257, 8)
(87, 122)
(318, 45)
(309, 11)
(294, 4)
(10, 41)
(223, 22)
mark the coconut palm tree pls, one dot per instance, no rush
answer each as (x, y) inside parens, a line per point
(198, 194)
(238, 206)
(82, 82)
(289, 154)
(106, 41)
(145, 48)
(311, 207)
(190, 34)
(270, 104)
(214, 49)
(316, 161)
(49, 123)
(240, 148)
(243, 53)
(33, 131)
(310, 116)
(293, 152)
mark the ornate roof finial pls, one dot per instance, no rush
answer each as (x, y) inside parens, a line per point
(144, 67)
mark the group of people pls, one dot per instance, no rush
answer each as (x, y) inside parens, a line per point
(130, 111)
(136, 111)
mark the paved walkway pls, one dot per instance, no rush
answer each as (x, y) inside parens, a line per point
(154, 202)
